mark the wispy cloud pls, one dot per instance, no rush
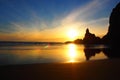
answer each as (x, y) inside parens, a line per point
(85, 12)
(85, 17)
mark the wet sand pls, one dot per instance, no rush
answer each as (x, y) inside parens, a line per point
(90, 70)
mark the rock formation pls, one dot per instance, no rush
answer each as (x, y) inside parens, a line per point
(113, 35)
(112, 38)
(78, 41)
(90, 38)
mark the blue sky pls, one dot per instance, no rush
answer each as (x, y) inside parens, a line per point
(52, 17)
(19, 10)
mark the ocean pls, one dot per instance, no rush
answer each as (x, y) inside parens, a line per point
(30, 53)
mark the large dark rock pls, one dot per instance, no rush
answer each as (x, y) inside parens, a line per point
(91, 38)
(113, 35)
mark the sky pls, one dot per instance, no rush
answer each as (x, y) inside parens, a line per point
(53, 20)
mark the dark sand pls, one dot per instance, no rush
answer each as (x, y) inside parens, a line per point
(90, 70)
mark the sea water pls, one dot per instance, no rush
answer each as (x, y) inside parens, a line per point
(50, 53)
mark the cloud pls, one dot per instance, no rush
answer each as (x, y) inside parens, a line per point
(87, 17)
(85, 12)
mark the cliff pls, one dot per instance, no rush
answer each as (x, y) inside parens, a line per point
(113, 35)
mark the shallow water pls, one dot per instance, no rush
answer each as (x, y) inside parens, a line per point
(46, 53)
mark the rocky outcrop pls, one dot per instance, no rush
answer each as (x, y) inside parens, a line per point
(112, 38)
(78, 41)
(91, 38)
(113, 35)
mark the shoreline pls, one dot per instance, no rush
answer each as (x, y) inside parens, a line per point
(108, 69)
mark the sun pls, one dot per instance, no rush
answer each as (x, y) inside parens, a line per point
(72, 34)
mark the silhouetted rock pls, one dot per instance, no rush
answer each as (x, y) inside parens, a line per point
(113, 35)
(112, 38)
(91, 38)
(78, 41)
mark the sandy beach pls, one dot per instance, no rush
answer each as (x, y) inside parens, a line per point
(90, 70)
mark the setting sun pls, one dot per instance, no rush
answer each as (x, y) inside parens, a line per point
(72, 34)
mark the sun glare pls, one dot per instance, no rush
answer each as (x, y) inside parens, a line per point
(72, 34)
(72, 52)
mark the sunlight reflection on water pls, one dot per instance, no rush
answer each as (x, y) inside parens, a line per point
(74, 54)
(41, 54)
